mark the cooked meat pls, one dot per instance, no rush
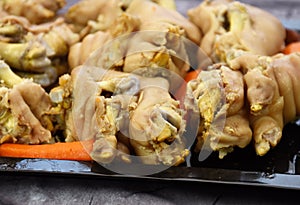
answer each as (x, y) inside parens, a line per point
(161, 46)
(24, 107)
(156, 124)
(88, 16)
(232, 28)
(270, 89)
(224, 123)
(36, 52)
(148, 11)
(119, 112)
(36, 11)
(61, 109)
(80, 51)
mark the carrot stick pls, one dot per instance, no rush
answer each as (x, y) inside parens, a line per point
(62, 150)
(179, 95)
(192, 75)
(292, 47)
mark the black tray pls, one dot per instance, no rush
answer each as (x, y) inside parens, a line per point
(280, 168)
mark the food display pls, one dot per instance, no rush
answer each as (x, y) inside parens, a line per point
(258, 81)
(119, 78)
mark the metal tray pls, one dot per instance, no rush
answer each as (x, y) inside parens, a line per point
(280, 168)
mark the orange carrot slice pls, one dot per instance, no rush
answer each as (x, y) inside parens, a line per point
(192, 75)
(179, 95)
(78, 150)
(291, 48)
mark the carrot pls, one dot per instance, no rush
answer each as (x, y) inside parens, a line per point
(78, 150)
(292, 47)
(189, 76)
(192, 75)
